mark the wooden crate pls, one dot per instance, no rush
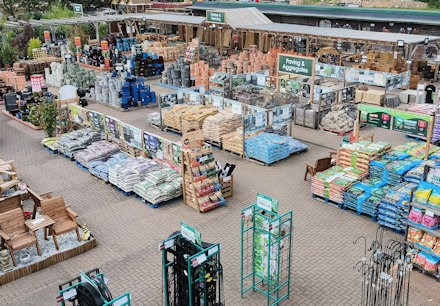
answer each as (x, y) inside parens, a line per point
(227, 186)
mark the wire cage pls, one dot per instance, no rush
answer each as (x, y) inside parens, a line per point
(266, 248)
(192, 272)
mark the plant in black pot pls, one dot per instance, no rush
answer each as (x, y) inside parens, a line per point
(48, 117)
(8, 54)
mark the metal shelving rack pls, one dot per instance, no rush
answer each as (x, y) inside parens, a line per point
(266, 248)
(192, 272)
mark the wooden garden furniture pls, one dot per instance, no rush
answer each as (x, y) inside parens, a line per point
(64, 217)
(321, 164)
(15, 233)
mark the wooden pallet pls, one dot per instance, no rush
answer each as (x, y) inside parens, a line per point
(214, 143)
(155, 205)
(28, 124)
(326, 200)
(172, 130)
(337, 133)
(233, 152)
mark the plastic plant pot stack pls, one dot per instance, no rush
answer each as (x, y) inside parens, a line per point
(99, 168)
(78, 140)
(331, 184)
(99, 150)
(159, 186)
(360, 154)
(270, 148)
(394, 207)
(134, 170)
(214, 127)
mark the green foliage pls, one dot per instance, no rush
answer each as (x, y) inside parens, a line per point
(103, 30)
(34, 43)
(8, 52)
(48, 117)
(8, 7)
(58, 12)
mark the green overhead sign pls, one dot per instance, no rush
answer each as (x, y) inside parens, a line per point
(296, 65)
(412, 123)
(376, 116)
(397, 120)
(215, 17)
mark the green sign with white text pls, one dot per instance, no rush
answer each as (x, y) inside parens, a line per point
(190, 233)
(267, 203)
(215, 17)
(411, 123)
(296, 64)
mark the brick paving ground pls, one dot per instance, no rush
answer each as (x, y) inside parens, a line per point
(128, 232)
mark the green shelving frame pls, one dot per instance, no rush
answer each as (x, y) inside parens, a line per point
(266, 249)
(202, 283)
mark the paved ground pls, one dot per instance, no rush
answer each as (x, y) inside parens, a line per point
(128, 231)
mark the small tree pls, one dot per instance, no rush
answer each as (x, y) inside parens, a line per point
(7, 51)
(48, 117)
(21, 41)
(34, 43)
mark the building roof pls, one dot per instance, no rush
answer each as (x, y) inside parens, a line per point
(168, 17)
(237, 18)
(332, 12)
(295, 29)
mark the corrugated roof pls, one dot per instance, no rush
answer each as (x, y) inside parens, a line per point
(332, 12)
(237, 18)
(168, 17)
(295, 29)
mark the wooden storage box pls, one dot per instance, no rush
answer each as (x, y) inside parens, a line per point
(227, 186)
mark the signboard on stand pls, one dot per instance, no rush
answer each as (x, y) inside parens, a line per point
(412, 123)
(375, 116)
(190, 233)
(299, 65)
(267, 203)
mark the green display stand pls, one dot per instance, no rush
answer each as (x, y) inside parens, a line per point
(266, 248)
(192, 273)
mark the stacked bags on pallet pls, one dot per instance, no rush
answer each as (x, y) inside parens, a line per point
(99, 168)
(270, 148)
(233, 142)
(50, 142)
(78, 140)
(360, 154)
(134, 170)
(216, 126)
(159, 186)
(363, 197)
(185, 117)
(96, 151)
(397, 169)
(330, 184)
(415, 175)
(393, 208)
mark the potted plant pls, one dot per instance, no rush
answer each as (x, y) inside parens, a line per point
(48, 117)
(8, 55)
